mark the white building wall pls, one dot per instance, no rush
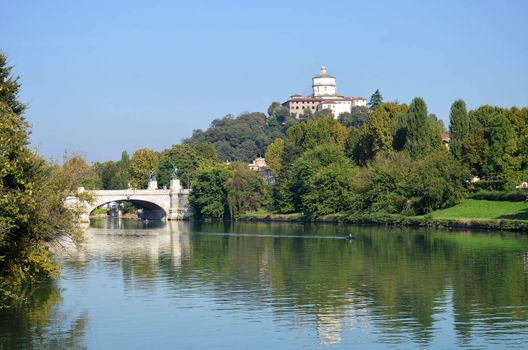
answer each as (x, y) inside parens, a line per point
(324, 86)
(337, 107)
(359, 103)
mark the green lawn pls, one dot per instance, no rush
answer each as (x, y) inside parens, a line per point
(486, 210)
(264, 214)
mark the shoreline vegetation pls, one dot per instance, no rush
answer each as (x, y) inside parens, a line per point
(469, 214)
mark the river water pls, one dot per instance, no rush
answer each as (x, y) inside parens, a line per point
(184, 285)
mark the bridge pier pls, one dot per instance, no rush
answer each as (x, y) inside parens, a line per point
(179, 201)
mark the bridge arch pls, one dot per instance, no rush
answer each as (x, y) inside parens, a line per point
(151, 210)
(172, 203)
(155, 203)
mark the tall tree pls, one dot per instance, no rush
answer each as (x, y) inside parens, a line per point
(377, 134)
(84, 174)
(375, 100)
(492, 149)
(109, 174)
(33, 213)
(274, 157)
(209, 195)
(458, 128)
(245, 189)
(422, 136)
(186, 159)
(143, 161)
(9, 88)
(124, 170)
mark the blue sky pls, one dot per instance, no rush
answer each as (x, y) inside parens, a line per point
(105, 76)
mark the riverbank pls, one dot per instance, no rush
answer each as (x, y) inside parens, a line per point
(470, 214)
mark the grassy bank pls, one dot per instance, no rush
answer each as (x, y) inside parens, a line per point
(470, 214)
(264, 215)
(484, 210)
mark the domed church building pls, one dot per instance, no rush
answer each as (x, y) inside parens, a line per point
(324, 95)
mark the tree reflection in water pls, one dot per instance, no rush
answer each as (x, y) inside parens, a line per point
(41, 322)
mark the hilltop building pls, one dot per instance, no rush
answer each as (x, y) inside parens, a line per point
(324, 95)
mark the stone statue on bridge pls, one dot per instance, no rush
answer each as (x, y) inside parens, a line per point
(174, 173)
(152, 176)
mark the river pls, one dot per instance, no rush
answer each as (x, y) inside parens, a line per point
(189, 285)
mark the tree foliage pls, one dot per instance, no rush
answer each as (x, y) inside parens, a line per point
(330, 189)
(309, 134)
(33, 214)
(186, 158)
(9, 88)
(245, 190)
(273, 157)
(305, 167)
(492, 148)
(236, 138)
(375, 100)
(143, 161)
(377, 135)
(394, 183)
(356, 118)
(458, 128)
(422, 133)
(209, 193)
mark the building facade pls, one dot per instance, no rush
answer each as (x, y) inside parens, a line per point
(259, 166)
(324, 96)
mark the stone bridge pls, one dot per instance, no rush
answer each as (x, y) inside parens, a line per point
(172, 203)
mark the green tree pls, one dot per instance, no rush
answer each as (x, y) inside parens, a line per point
(109, 174)
(279, 120)
(382, 187)
(436, 182)
(473, 147)
(422, 134)
(236, 138)
(330, 189)
(500, 153)
(124, 170)
(309, 134)
(273, 157)
(302, 170)
(82, 173)
(209, 195)
(375, 100)
(307, 115)
(377, 134)
(206, 150)
(143, 161)
(396, 184)
(185, 158)
(458, 128)
(245, 190)
(9, 88)
(356, 118)
(33, 214)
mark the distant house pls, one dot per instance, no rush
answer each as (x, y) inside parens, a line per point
(446, 139)
(523, 186)
(261, 168)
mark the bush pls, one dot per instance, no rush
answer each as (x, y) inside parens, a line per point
(512, 196)
(490, 185)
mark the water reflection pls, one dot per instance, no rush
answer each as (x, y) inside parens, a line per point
(302, 284)
(42, 322)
